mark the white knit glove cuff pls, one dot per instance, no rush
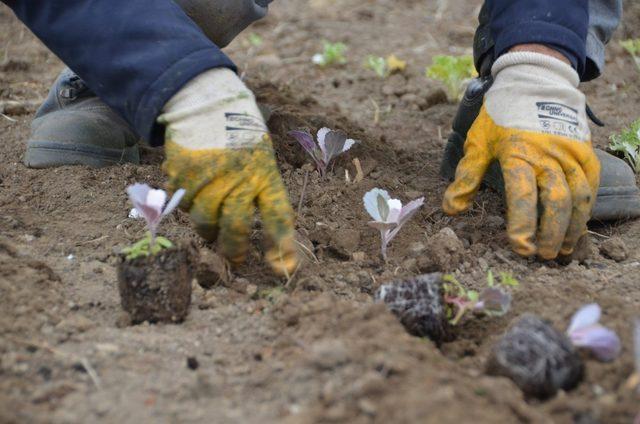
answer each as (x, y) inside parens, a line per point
(539, 93)
(215, 110)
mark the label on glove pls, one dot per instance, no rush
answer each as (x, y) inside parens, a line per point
(558, 119)
(243, 130)
(214, 111)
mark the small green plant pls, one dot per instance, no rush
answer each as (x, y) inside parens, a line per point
(378, 65)
(147, 246)
(492, 301)
(633, 47)
(255, 40)
(454, 71)
(332, 54)
(627, 143)
(385, 67)
(151, 205)
(271, 294)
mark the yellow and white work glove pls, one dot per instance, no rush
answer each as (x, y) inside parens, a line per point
(533, 121)
(219, 150)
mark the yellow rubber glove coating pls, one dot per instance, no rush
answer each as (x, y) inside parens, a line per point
(561, 173)
(223, 187)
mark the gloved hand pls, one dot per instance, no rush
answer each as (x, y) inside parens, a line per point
(533, 121)
(219, 150)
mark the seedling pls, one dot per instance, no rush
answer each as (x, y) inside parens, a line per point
(492, 301)
(378, 65)
(255, 40)
(332, 54)
(385, 67)
(633, 47)
(454, 71)
(150, 205)
(330, 145)
(585, 331)
(388, 214)
(627, 143)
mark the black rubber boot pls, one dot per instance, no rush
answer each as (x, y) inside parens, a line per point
(223, 20)
(74, 127)
(618, 195)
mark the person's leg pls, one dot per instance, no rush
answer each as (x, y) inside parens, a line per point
(75, 127)
(618, 196)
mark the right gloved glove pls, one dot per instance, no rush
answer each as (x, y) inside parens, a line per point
(533, 121)
(218, 149)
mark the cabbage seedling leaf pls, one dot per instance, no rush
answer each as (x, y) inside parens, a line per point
(586, 316)
(494, 301)
(150, 205)
(372, 203)
(329, 145)
(586, 331)
(389, 215)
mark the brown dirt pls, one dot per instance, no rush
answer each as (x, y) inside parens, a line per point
(316, 348)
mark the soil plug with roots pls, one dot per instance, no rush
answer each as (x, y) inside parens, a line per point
(154, 277)
(537, 357)
(418, 303)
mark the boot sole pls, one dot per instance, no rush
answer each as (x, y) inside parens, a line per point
(612, 204)
(48, 154)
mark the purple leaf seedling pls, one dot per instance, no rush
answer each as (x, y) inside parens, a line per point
(151, 205)
(388, 214)
(330, 145)
(492, 301)
(586, 331)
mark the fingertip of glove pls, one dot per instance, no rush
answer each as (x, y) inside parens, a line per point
(523, 246)
(283, 264)
(452, 205)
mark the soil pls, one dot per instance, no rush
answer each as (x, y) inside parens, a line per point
(315, 347)
(157, 288)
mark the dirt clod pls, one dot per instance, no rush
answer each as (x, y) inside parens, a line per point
(192, 363)
(614, 248)
(328, 354)
(345, 242)
(212, 269)
(538, 358)
(418, 303)
(444, 252)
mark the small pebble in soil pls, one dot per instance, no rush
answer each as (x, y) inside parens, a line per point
(538, 358)
(328, 354)
(614, 248)
(419, 305)
(192, 363)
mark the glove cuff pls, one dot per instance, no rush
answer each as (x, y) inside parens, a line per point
(555, 66)
(214, 86)
(215, 110)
